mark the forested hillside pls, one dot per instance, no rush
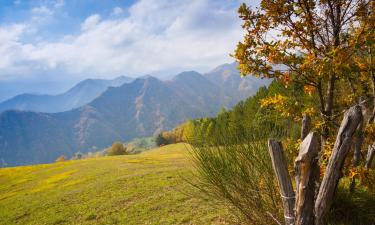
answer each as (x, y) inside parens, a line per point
(246, 119)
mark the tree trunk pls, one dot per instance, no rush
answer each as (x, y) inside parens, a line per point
(358, 141)
(330, 95)
(307, 171)
(285, 184)
(306, 124)
(328, 108)
(351, 120)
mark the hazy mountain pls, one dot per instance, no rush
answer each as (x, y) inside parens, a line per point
(197, 89)
(234, 87)
(81, 94)
(143, 107)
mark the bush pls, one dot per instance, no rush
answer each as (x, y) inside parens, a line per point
(61, 158)
(353, 208)
(117, 148)
(161, 140)
(240, 176)
(181, 133)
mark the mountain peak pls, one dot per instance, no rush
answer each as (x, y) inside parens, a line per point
(187, 75)
(227, 66)
(146, 79)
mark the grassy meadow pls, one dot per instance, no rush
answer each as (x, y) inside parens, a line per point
(148, 188)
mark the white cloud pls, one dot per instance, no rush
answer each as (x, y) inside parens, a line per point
(117, 11)
(10, 46)
(156, 36)
(90, 22)
(40, 16)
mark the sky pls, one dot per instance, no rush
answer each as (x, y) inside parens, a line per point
(59, 42)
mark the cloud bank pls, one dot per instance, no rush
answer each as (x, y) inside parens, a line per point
(151, 36)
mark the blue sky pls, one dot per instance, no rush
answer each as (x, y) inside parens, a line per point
(70, 40)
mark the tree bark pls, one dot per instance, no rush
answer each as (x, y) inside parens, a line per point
(328, 108)
(307, 171)
(370, 156)
(358, 141)
(330, 95)
(324, 199)
(306, 124)
(285, 184)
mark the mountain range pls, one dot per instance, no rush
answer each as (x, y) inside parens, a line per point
(79, 95)
(143, 107)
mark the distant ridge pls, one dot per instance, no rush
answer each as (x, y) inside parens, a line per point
(234, 87)
(79, 95)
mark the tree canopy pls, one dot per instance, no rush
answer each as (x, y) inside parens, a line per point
(326, 46)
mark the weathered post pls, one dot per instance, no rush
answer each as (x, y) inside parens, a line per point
(370, 156)
(324, 199)
(285, 184)
(305, 128)
(307, 170)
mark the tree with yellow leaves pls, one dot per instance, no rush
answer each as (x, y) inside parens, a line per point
(323, 45)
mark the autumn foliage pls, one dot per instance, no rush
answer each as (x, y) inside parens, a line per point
(326, 46)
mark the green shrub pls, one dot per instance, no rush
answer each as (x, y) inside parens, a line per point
(239, 176)
(353, 209)
(117, 148)
(161, 140)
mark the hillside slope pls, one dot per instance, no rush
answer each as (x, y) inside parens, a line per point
(148, 188)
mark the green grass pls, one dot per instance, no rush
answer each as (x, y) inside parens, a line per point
(149, 188)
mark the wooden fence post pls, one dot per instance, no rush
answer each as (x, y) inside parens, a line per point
(285, 184)
(324, 199)
(370, 156)
(307, 170)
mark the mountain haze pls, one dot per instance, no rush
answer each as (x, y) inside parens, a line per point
(79, 95)
(233, 86)
(143, 107)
